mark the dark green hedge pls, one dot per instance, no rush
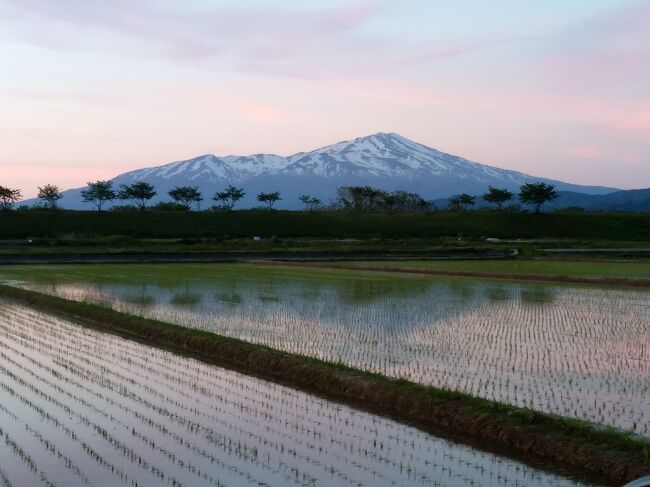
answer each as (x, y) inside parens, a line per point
(593, 226)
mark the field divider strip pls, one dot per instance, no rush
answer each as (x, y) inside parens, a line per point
(146, 257)
(611, 281)
(543, 440)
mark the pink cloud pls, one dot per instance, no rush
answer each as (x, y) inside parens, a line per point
(28, 176)
(630, 123)
(266, 113)
(455, 49)
(592, 152)
(621, 23)
(295, 77)
(289, 43)
(243, 33)
(630, 159)
(607, 54)
(49, 95)
(586, 152)
(634, 122)
(241, 107)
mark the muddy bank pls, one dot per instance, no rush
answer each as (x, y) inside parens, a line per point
(512, 276)
(539, 439)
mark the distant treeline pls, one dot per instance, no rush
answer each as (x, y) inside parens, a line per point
(137, 196)
(226, 225)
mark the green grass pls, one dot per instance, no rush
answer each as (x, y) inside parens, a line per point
(350, 282)
(110, 245)
(595, 269)
(174, 274)
(632, 227)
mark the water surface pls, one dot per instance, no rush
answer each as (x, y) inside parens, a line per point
(577, 351)
(78, 407)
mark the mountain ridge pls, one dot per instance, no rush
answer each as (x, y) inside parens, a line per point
(385, 160)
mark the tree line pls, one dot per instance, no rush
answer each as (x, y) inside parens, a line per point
(533, 194)
(99, 193)
(183, 197)
(355, 198)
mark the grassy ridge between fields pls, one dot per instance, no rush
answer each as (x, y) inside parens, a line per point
(628, 227)
(592, 269)
(451, 272)
(604, 454)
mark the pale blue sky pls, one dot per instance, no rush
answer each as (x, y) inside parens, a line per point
(554, 88)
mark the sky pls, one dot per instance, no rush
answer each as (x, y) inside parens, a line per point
(553, 88)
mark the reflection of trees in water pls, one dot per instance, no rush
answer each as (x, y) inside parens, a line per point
(267, 297)
(229, 298)
(341, 298)
(140, 298)
(392, 301)
(499, 292)
(186, 298)
(463, 288)
(365, 289)
(233, 285)
(310, 293)
(537, 294)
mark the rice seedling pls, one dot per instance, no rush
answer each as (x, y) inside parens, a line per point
(581, 352)
(85, 408)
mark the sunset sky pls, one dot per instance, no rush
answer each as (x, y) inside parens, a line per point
(555, 88)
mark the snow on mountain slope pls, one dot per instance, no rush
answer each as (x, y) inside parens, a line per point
(390, 155)
(211, 167)
(385, 160)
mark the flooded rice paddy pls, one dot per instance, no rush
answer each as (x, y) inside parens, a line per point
(581, 352)
(78, 407)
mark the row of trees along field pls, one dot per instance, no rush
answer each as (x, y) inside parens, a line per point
(357, 198)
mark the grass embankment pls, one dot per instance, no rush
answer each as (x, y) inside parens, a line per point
(69, 244)
(605, 454)
(625, 270)
(125, 255)
(224, 276)
(584, 271)
(630, 227)
(379, 246)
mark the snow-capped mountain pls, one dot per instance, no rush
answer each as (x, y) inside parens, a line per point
(384, 160)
